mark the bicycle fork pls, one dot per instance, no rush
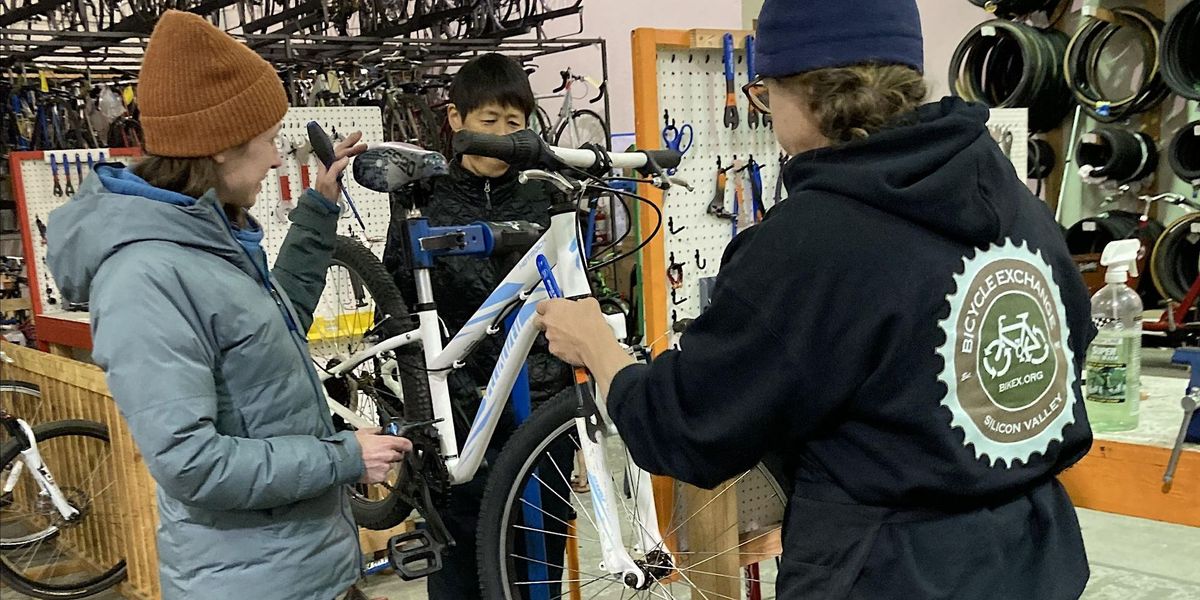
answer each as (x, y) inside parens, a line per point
(32, 459)
(593, 429)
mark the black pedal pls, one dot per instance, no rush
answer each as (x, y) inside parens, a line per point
(415, 554)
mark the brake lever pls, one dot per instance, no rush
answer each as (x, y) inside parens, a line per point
(666, 185)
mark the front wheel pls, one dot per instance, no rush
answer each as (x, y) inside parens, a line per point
(537, 535)
(43, 554)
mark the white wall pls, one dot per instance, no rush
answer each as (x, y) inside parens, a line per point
(614, 20)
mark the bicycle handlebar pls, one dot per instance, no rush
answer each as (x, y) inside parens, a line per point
(526, 150)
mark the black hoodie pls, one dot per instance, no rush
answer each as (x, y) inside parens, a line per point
(907, 331)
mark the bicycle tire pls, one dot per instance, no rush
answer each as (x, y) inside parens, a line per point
(539, 122)
(40, 589)
(509, 475)
(1172, 274)
(390, 510)
(586, 120)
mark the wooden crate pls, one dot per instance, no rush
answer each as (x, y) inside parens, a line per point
(73, 390)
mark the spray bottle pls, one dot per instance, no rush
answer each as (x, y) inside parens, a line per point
(1114, 360)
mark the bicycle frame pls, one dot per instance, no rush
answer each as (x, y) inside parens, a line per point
(523, 285)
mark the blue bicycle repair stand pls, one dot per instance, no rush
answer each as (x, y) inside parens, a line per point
(531, 509)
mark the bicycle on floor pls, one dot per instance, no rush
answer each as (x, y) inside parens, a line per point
(538, 537)
(56, 499)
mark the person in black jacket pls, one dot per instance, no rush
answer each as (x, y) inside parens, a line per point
(907, 330)
(490, 94)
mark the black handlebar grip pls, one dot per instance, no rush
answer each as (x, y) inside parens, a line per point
(322, 146)
(667, 159)
(523, 149)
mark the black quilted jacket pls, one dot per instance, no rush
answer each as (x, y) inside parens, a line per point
(461, 284)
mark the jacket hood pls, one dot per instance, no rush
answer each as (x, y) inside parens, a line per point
(938, 168)
(115, 208)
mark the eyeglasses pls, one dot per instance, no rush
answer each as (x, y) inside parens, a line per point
(760, 98)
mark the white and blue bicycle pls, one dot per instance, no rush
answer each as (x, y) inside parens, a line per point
(539, 537)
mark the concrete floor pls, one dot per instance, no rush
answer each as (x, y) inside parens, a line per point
(1131, 559)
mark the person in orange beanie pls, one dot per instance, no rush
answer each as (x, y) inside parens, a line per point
(204, 348)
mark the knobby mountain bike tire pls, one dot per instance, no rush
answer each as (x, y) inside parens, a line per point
(16, 568)
(383, 509)
(539, 455)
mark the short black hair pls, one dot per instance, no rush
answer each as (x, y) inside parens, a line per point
(492, 78)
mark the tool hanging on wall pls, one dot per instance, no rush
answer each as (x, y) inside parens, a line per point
(731, 111)
(752, 116)
(79, 167)
(740, 206)
(285, 205)
(716, 207)
(783, 158)
(70, 189)
(674, 272)
(58, 191)
(678, 139)
(756, 190)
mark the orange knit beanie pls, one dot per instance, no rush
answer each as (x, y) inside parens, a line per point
(201, 91)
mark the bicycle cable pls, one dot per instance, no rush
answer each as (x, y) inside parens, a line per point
(1005, 64)
(645, 242)
(1083, 61)
(1181, 39)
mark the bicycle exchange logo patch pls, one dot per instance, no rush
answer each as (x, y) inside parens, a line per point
(1007, 370)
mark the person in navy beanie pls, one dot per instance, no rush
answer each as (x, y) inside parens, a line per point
(906, 332)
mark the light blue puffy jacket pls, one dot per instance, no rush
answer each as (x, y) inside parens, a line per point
(205, 353)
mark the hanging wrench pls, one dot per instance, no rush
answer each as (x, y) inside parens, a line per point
(58, 191)
(731, 111)
(79, 168)
(70, 189)
(752, 115)
(716, 207)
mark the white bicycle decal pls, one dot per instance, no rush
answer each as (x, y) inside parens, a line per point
(1020, 339)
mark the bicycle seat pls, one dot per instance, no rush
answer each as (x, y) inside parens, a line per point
(391, 166)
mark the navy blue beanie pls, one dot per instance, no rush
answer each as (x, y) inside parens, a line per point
(795, 36)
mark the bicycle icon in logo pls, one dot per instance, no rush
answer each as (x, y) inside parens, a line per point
(1027, 343)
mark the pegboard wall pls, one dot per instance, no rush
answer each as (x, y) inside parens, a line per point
(37, 197)
(692, 93)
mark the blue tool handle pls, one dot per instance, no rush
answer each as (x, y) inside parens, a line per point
(54, 165)
(728, 41)
(751, 71)
(548, 280)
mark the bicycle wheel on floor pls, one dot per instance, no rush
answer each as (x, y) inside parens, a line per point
(42, 554)
(538, 538)
(584, 127)
(359, 307)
